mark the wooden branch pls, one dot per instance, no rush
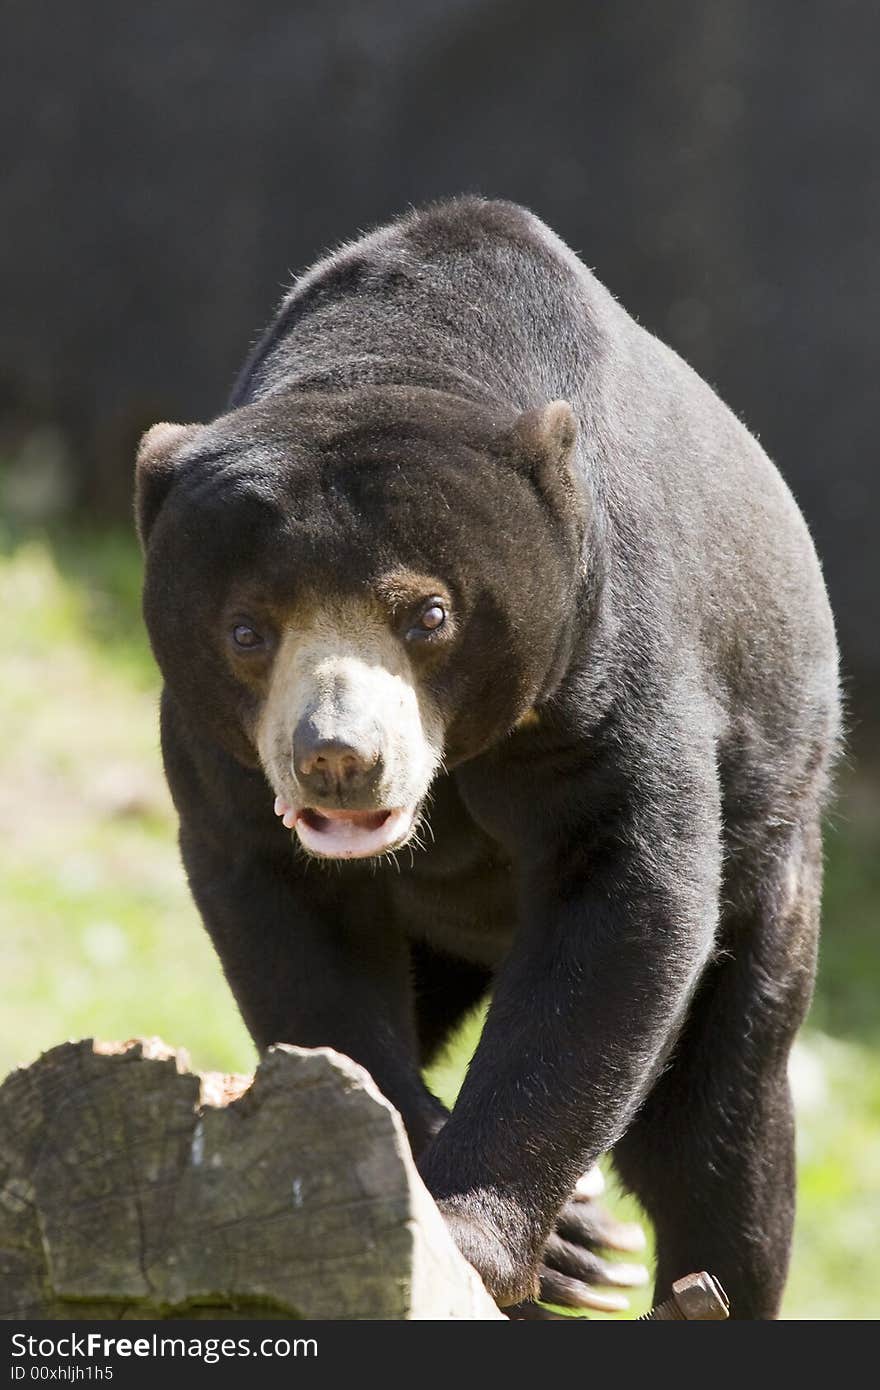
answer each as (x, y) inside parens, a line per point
(132, 1187)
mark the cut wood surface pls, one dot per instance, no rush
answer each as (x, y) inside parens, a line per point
(132, 1187)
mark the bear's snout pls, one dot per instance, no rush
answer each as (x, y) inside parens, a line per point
(336, 767)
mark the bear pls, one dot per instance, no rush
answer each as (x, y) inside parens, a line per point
(498, 663)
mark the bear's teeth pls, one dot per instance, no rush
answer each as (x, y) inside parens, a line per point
(281, 806)
(289, 819)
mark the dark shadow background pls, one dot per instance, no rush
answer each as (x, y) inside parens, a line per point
(717, 164)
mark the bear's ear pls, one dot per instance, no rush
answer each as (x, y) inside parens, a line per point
(546, 438)
(154, 472)
(548, 433)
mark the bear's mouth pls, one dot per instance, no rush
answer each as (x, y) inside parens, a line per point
(347, 834)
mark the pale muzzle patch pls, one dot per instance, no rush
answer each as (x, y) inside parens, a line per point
(343, 670)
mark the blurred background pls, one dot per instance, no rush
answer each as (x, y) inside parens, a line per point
(169, 169)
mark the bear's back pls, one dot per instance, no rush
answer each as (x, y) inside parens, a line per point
(474, 295)
(481, 298)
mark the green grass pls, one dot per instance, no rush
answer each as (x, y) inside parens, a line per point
(100, 938)
(99, 934)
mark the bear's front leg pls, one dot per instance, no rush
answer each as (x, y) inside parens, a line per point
(574, 1271)
(308, 967)
(616, 924)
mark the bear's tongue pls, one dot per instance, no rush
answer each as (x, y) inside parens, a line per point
(351, 834)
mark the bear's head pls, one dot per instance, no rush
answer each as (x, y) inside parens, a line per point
(353, 590)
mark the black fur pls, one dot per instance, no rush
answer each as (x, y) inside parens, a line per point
(637, 871)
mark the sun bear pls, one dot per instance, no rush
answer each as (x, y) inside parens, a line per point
(478, 599)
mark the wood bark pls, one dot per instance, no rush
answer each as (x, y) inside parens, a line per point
(132, 1187)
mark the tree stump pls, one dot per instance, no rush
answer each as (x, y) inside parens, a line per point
(131, 1187)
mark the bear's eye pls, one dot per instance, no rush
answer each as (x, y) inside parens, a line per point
(431, 619)
(243, 635)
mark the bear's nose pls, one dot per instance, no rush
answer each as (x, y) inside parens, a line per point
(335, 764)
